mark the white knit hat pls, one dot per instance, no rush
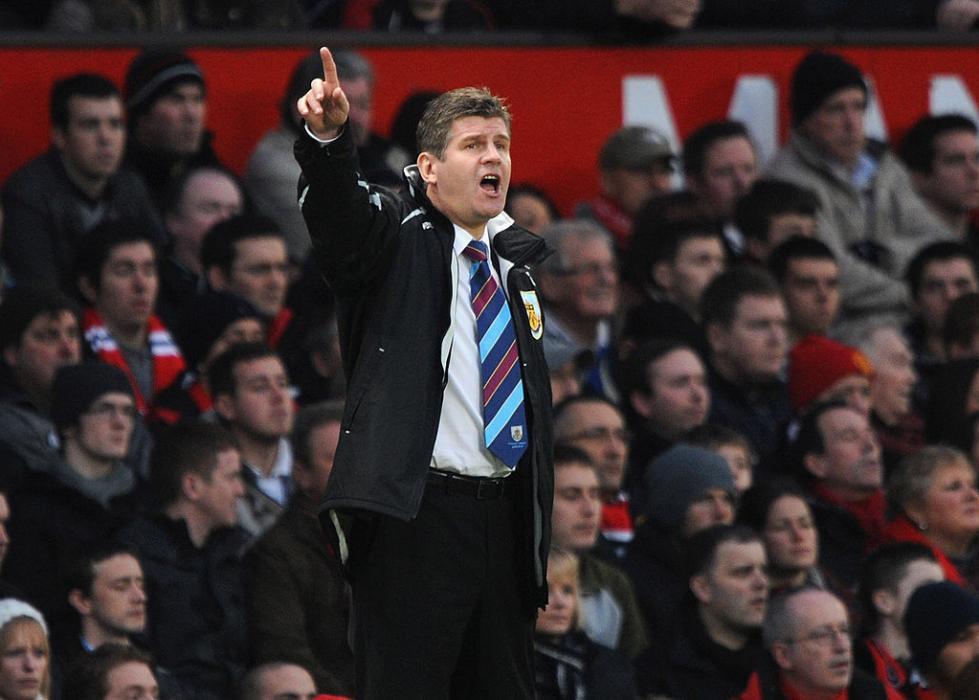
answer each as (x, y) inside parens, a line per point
(11, 608)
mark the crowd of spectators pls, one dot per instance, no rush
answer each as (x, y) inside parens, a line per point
(764, 385)
(623, 19)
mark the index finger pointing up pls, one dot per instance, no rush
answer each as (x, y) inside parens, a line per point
(330, 78)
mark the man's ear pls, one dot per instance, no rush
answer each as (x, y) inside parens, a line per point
(216, 278)
(58, 138)
(884, 601)
(716, 337)
(641, 402)
(87, 289)
(190, 485)
(79, 601)
(224, 406)
(426, 167)
(780, 652)
(10, 355)
(815, 464)
(663, 275)
(700, 589)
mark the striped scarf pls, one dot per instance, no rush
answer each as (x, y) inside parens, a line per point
(168, 363)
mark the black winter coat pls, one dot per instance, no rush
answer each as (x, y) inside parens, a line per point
(388, 258)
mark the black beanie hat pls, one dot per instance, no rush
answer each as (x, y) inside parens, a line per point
(76, 387)
(817, 77)
(210, 316)
(935, 614)
(155, 72)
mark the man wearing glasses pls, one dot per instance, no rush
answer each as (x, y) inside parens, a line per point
(580, 286)
(807, 632)
(85, 495)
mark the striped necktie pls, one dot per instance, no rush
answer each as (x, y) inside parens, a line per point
(504, 420)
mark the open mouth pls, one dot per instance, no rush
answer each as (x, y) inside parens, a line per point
(490, 184)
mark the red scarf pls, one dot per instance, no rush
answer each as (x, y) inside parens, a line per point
(869, 512)
(616, 520)
(277, 327)
(901, 529)
(791, 693)
(168, 363)
(615, 221)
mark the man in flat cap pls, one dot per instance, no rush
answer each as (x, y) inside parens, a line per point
(635, 164)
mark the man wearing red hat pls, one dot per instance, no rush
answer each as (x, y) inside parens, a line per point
(821, 369)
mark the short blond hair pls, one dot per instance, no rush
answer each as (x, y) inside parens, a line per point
(563, 565)
(436, 122)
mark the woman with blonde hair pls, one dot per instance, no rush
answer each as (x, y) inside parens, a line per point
(25, 654)
(933, 499)
(567, 664)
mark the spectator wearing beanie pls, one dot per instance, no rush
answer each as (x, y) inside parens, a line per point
(821, 369)
(942, 623)
(830, 154)
(86, 496)
(166, 102)
(688, 490)
(217, 321)
(39, 332)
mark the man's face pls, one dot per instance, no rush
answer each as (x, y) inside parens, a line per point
(129, 286)
(95, 139)
(850, 464)
(312, 478)
(209, 196)
(589, 286)
(132, 680)
(260, 273)
(818, 660)
(360, 93)
(678, 398)
(49, 342)
(730, 169)
(790, 535)
(755, 344)
(631, 188)
(837, 126)
(599, 430)
(577, 507)
(894, 375)
(218, 495)
(104, 430)
(942, 282)
(261, 406)
(118, 600)
(287, 682)
(469, 182)
(715, 507)
(734, 592)
(698, 261)
(174, 125)
(953, 184)
(812, 294)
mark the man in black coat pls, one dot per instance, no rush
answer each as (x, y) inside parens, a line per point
(441, 489)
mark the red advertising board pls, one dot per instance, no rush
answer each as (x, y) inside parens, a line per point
(565, 100)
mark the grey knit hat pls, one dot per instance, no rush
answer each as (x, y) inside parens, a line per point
(680, 476)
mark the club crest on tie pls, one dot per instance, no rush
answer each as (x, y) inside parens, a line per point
(516, 432)
(532, 304)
